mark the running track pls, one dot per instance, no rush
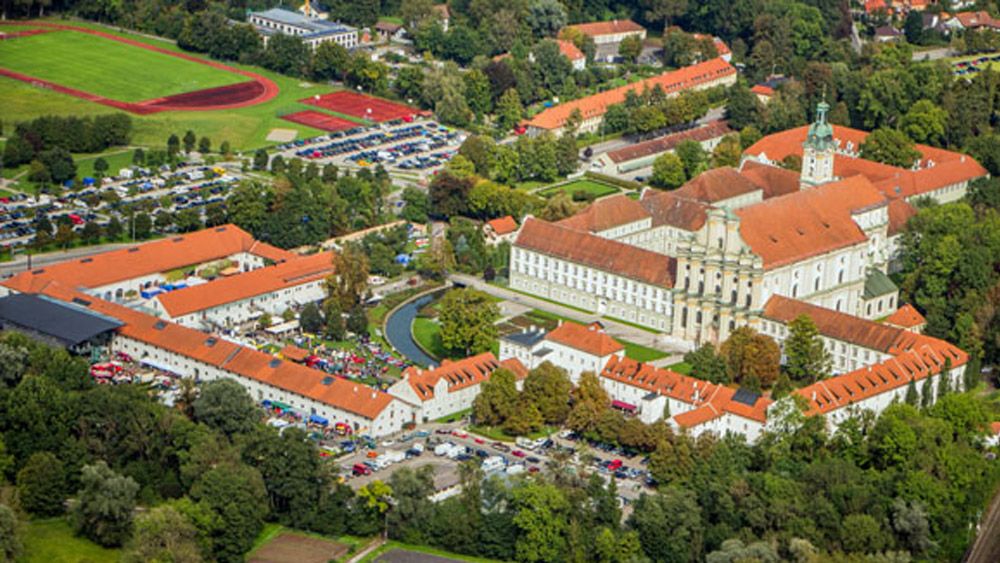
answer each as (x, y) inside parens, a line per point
(258, 90)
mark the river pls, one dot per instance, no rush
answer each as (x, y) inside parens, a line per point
(399, 333)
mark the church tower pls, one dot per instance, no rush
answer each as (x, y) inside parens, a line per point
(818, 151)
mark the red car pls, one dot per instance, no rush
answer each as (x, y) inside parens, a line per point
(518, 453)
(614, 465)
(459, 433)
(479, 440)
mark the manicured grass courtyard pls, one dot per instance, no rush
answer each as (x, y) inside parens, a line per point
(52, 541)
(589, 187)
(427, 333)
(108, 68)
(642, 353)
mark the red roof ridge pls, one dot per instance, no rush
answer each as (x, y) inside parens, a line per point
(590, 339)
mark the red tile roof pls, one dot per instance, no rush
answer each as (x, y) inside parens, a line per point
(247, 285)
(458, 374)
(596, 29)
(906, 317)
(900, 212)
(717, 184)
(787, 229)
(606, 214)
(597, 252)
(569, 50)
(151, 258)
(711, 130)
(590, 339)
(294, 353)
(972, 20)
(503, 225)
(222, 354)
(773, 180)
(938, 167)
(671, 82)
(762, 90)
(667, 208)
(837, 325)
(709, 399)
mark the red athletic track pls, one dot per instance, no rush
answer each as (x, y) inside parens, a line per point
(24, 33)
(260, 89)
(318, 120)
(355, 104)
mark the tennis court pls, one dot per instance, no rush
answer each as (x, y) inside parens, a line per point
(319, 120)
(361, 105)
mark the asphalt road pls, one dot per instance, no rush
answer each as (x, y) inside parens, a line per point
(986, 548)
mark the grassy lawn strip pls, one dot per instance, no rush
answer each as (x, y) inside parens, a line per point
(52, 541)
(394, 545)
(108, 68)
(642, 353)
(681, 367)
(427, 333)
(116, 161)
(590, 187)
(454, 417)
(497, 434)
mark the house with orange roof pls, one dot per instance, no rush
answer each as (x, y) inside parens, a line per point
(231, 300)
(642, 154)
(763, 92)
(122, 274)
(608, 35)
(573, 53)
(573, 347)
(699, 76)
(501, 229)
(451, 387)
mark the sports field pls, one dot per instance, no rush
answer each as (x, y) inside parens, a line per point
(108, 68)
(246, 128)
(590, 187)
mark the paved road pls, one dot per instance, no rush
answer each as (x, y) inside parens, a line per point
(933, 54)
(986, 548)
(614, 328)
(20, 262)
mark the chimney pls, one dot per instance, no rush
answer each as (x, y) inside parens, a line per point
(814, 396)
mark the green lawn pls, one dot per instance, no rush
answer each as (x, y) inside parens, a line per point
(394, 545)
(116, 161)
(681, 367)
(590, 187)
(52, 541)
(108, 68)
(496, 433)
(427, 333)
(642, 353)
(245, 128)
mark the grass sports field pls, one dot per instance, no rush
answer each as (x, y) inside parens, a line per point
(245, 128)
(597, 189)
(108, 68)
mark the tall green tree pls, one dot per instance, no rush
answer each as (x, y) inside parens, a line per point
(163, 534)
(226, 406)
(467, 319)
(547, 387)
(497, 399)
(806, 356)
(41, 485)
(104, 506)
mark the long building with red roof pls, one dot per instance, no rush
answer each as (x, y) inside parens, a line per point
(699, 76)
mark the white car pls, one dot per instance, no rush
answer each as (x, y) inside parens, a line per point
(388, 443)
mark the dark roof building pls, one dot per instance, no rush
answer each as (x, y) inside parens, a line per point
(55, 322)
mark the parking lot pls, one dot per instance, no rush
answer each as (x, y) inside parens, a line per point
(188, 187)
(630, 472)
(418, 146)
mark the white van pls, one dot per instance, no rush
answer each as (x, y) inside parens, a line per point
(493, 463)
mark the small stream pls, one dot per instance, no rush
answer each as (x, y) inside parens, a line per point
(398, 330)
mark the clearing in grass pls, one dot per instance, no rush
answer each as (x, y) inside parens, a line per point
(52, 541)
(108, 68)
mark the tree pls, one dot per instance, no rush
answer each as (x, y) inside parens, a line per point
(292, 471)
(673, 509)
(467, 318)
(233, 502)
(225, 405)
(891, 147)
(142, 226)
(497, 399)
(91, 232)
(59, 163)
(807, 358)
(925, 122)
(668, 171)
(173, 145)
(357, 320)
(10, 536)
(630, 48)
(204, 145)
(546, 17)
(590, 401)
(693, 156)
(912, 397)
(416, 205)
(524, 420)
(541, 514)
(664, 10)
(547, 387)
(752, 359)
(349, 281)
(260, 160)
(567, 155)
(861, 533)
(310, 318)
(509, 110)
(225, 149)
(330, 61)
(13, 364)
(412, 509)
(728, 152)
(335, 329)
(105, 502)
(100, 166)
(449, 195)
(114, 229)
(163, 535)
(707, 364)
(41, 485)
